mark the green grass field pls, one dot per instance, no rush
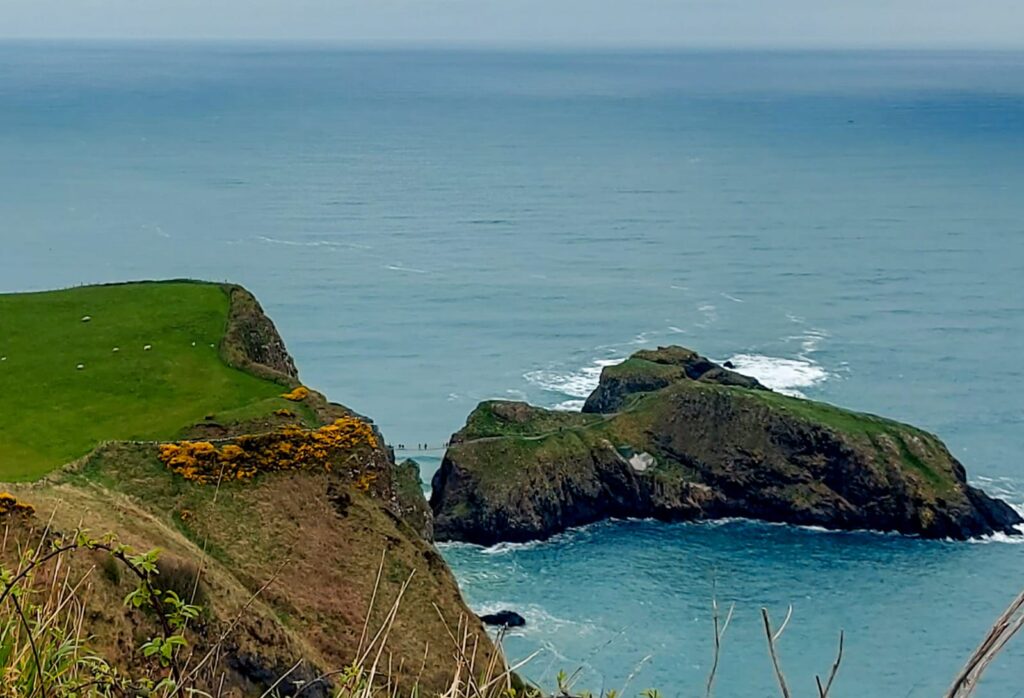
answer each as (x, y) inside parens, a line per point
(52, 412)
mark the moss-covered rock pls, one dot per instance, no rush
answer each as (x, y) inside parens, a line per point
(687, 439)
(649, 370)
(409, 499)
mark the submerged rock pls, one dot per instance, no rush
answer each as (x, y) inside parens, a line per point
(671, 435)
(505, 619)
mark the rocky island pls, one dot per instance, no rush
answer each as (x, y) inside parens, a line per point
(671, 435)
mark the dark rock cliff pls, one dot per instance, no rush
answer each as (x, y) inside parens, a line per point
(647, 371)
(252, 342)
(681, 438)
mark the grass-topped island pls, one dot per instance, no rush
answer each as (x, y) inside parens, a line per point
(669, 434)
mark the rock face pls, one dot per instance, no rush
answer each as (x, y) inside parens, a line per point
(409, 500)
(647, 371)
(252, 342)
(671, 435)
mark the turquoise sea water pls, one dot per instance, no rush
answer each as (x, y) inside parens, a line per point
(430, 229)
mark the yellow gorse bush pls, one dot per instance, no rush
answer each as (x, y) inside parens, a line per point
(291, 448)
(9, 505)
(298, 394)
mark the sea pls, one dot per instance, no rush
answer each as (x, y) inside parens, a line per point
(434, 227)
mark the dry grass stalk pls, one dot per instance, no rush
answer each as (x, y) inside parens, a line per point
(823, 690)
(47, 644)
(1002, 631)
(773, 637)
(720, 628)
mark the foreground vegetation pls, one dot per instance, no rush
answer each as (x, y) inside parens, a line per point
(136, 361)
(45, 638)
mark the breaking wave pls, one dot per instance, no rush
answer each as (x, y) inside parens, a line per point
(790, 376)
(575, 385)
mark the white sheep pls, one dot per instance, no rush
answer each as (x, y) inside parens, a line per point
(117, 349)
(87, 318)
(80, 366)
(147, 347)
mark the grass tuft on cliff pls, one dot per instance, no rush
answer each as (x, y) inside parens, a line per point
(75, 370)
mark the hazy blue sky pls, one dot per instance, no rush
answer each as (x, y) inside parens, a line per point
(975, 23)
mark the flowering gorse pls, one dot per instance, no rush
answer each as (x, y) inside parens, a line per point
(298, 394)
(9, 505)
(291, 448)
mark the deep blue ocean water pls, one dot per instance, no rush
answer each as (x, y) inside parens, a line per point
(433, 228)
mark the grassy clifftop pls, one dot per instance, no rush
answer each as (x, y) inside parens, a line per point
(75, 369)
(160, 409)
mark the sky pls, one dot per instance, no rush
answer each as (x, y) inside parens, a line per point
(595, 23)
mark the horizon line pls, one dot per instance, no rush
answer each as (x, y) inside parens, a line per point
(523, 46)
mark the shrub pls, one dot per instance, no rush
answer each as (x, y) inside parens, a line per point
(298, 394)
(290, 448)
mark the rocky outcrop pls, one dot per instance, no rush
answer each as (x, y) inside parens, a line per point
(504, 619)
(650, 370)
(252, 342)
(671, 435)
(409, 500)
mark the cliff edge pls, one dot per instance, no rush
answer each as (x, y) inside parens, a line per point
(284, 513)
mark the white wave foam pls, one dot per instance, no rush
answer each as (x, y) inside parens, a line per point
(295, 243)
(506, 548)
(709, 311)
(538, 619)
(411, 270)
(788, 376)
(570, 406)
(311, 243)
(574, 384)
(810, 340)
(496, 549)
(1005, 488)
(1000, 537)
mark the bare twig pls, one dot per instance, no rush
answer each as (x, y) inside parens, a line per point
(283, 676)
(1002, 631)
(823, 690)
(720, 628)
(224, 635)
(373, 600)
(633, 674)
(32, 644)
(772, 639)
